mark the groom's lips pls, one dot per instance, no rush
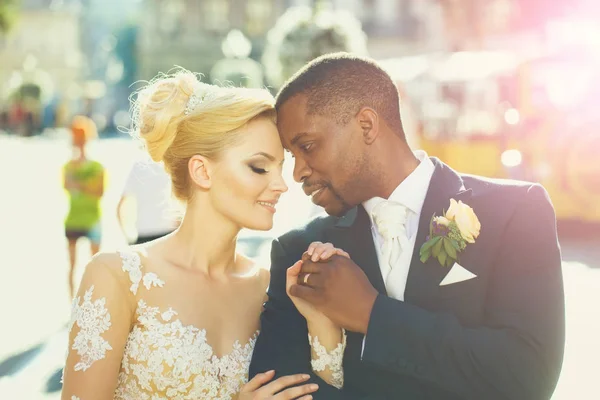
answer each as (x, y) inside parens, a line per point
(318, 195)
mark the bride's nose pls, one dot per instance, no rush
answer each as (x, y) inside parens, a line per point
(279, 185)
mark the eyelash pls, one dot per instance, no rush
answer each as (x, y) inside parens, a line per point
(259, 171)
(306, 147)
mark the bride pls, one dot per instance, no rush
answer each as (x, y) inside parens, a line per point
(177, 318)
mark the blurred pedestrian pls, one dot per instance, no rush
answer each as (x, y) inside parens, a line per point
(148, 187)
(84, 182)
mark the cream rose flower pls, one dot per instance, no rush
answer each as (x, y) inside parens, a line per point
(442, 221)
(465, 219)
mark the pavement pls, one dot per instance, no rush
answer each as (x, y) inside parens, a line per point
(34, 303)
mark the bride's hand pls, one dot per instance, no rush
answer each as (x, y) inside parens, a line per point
(317, 251)
(258, 389)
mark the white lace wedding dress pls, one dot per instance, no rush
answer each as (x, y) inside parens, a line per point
(159, 357)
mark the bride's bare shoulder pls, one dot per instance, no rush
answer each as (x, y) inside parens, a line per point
(117, 264)
(255, 270)
(109, 261)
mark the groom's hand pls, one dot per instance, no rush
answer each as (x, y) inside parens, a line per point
(339, 289)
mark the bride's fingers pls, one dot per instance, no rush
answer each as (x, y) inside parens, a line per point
(297, 392)
(312, 247)
(341, 252)
(292, 274)
(295, 269)
(332, 251)
(285, 382)
(328, 253)
(321, 249)
(258, 381)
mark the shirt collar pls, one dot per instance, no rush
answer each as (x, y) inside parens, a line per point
(411, 192)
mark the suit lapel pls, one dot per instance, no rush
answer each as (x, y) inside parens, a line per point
(353, 234)
(424, 279)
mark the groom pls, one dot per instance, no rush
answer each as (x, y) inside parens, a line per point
(481, 318)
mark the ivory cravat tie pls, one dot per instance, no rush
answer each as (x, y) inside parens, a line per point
(390, 219)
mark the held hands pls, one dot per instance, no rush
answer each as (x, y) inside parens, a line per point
(258, 388)
(333, 286)
(317, 251)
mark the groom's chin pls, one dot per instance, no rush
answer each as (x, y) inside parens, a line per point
(336, 209)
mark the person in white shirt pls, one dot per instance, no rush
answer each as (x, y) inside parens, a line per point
(147, 190)
(453, 289)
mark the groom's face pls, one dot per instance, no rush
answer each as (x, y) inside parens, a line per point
(328, 158)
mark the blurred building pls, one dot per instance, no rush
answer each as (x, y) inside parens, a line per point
(399, 27)
(41, 60)
(190, 33)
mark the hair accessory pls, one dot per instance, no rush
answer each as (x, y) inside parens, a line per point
(201, 94)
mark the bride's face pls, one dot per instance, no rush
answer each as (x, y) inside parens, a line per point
(247, 181)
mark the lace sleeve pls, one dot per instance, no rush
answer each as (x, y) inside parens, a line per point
(100, 323)
(328, 364)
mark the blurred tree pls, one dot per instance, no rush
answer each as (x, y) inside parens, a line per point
(8, 14)
(125, 51)
(302, 34)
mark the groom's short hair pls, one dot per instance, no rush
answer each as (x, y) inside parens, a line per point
(340, 84)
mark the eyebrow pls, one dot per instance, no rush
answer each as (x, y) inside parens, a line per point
(266, 155)
(298, 137)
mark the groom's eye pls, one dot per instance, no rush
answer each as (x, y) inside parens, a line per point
(306, 147)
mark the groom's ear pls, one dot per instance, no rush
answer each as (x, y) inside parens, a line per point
(369, 124)
(199, 169)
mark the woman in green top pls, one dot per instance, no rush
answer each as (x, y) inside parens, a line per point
(84, 182)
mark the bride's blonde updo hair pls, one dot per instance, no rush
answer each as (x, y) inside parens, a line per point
(174, 129)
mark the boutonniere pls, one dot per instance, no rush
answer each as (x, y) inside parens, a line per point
(449, 234)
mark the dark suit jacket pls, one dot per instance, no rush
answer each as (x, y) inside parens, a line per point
(497, 336)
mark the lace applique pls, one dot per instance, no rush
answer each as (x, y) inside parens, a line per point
(165, 359)
(133, 266)
(93, 319)
(151, 279)
(333, 360)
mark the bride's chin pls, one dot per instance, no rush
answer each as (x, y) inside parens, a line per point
(262, 224)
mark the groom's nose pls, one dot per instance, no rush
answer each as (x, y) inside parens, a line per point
(301, 170)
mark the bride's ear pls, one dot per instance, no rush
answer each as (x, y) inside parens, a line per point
(199, 169)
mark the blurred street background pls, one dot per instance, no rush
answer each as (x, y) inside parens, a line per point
(501, 88)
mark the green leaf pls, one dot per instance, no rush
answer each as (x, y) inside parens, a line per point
(450, 250)
(429, 244)
(442, 257)
(437, 247)
(425, 256)
(454, 244)
(450, 262)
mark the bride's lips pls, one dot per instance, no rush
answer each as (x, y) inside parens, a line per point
(268, 204)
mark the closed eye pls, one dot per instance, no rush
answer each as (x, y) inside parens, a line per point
(260, 171)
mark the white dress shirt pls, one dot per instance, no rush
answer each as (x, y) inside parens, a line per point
(411, 193)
